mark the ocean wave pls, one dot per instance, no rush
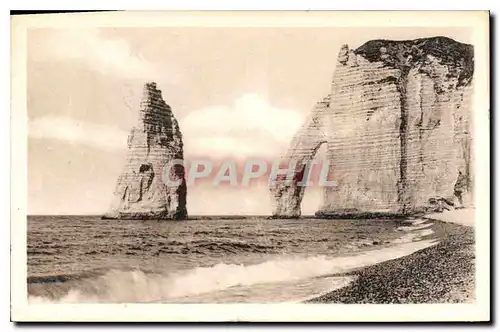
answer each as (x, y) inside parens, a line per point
(416, 234)
(117, 286)
(283, 292)
(63, 277)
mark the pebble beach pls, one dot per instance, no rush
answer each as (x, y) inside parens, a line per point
(443, 273)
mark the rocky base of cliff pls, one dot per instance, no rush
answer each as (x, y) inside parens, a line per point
(359, 215)
(435, 205)
(144, 216)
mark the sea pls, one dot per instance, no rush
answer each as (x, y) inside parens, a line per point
(83, 259)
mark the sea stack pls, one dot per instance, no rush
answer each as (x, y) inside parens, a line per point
(397, 129)
(153, 143)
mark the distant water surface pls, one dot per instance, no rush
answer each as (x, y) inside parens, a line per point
(86, 259)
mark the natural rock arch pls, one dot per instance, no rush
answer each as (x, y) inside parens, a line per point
(397, 128)
(296, 190)
(288, 196)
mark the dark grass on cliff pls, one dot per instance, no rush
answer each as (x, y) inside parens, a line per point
(398, 52)
(441, 273)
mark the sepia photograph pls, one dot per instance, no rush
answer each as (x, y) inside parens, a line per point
(250, 166)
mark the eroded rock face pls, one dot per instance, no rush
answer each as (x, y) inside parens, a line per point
(397, 129)
(141, 192)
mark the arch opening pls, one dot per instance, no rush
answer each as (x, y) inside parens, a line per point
(313, 195)
(289, 195)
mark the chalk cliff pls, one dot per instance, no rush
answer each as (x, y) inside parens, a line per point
(397, 129)
(141, 192)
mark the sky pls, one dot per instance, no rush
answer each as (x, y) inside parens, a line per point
(237, 93)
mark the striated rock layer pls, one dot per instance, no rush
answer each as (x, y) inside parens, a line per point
(397, 129)
(141, 192)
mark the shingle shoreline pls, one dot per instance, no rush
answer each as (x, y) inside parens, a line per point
(443, 273)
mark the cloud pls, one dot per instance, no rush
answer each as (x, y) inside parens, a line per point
(90, 46)
(78, 132)
(249, 128)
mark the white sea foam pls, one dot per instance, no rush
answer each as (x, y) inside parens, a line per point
(137, 286)
(413, 228)
(296, 291)
(462, 216)
(413, 233)
(419, 221)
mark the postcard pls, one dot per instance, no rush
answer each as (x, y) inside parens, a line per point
(254, 166)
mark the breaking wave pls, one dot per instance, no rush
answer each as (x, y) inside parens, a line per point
(118, 286)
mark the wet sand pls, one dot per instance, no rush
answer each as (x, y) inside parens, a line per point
(443, 273)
